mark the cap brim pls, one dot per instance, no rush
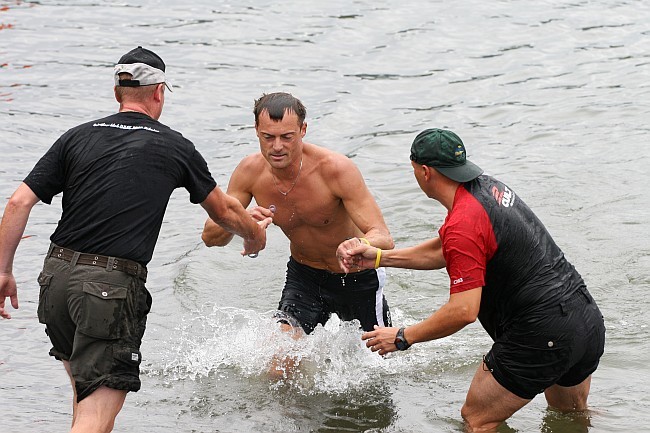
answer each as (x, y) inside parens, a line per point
(464, 173)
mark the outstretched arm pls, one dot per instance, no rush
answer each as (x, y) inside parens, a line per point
(215, 234)
(425, 256)
(230, 216)
(461, 310)
(12, 228)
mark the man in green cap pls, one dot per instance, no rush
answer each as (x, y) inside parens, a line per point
(505, 270)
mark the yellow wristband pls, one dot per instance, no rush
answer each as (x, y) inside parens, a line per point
(365, 241)
(378, 259)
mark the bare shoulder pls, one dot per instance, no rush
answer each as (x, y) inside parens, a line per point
(332, 164)
(341, 175)
(248, 169)
(254, 161)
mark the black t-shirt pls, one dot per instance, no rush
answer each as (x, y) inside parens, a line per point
(117, 175)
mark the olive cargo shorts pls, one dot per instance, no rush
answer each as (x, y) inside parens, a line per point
(95, 319)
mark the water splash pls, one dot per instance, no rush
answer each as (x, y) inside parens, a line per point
(227, 342)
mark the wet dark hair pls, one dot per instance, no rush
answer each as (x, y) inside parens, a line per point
(276, 104)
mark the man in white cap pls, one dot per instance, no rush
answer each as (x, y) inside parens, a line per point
(116, 175)
(506, 270)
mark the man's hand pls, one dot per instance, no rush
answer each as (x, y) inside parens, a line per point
(381, 340)
(259, 213)
(354, 254)
(254, 245)
(7, 290)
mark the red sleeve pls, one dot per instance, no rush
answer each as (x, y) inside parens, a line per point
(468, 242)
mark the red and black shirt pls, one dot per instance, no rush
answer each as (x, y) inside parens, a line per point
(491, 239)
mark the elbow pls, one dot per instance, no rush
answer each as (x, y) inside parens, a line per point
(387, 242)
(211, 241)
(467, 315)
(468, 320)
(206, 240)
(211, 235)
(215, 238)
(207, 236)
(21, 202)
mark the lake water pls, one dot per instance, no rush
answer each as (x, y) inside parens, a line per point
(552, 97)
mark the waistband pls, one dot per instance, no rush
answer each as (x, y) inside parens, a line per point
(110, 263)
(326, 273)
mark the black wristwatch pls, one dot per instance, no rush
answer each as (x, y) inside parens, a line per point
(400, 341)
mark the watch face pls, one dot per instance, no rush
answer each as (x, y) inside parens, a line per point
(400, 341)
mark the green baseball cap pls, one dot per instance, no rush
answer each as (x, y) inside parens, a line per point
(444, 151)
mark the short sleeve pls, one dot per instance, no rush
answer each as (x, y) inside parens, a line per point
(468, 242)
(47, 178)
(198, 181)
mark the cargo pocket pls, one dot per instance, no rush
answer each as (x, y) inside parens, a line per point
(44, 281)
(102, 310)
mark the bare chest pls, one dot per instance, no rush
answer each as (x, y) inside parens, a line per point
(306, 205)
(314, 211)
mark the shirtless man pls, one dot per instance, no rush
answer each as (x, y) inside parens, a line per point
(322, 204)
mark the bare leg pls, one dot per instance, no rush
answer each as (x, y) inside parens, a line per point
(488, 404)
(66, 364)
(569, 398)
(96, 413)
(283, 366)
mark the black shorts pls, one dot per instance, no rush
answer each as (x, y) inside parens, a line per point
(310, 296)
(95, 319)
(562, 346)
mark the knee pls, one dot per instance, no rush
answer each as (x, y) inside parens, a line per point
(567, 405)
(109, 426)
(568, 399)
(464, 412)
(475, 421)
(469, 417)
(92, 424)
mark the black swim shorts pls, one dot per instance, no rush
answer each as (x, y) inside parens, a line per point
(311, 295)
(563, 346)
(95, 319)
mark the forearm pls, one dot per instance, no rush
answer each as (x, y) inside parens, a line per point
(11, 230)
(380, 238)
(461, 310)
(426, 256)
(230, 216)
(444, 322)
(13, 225)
